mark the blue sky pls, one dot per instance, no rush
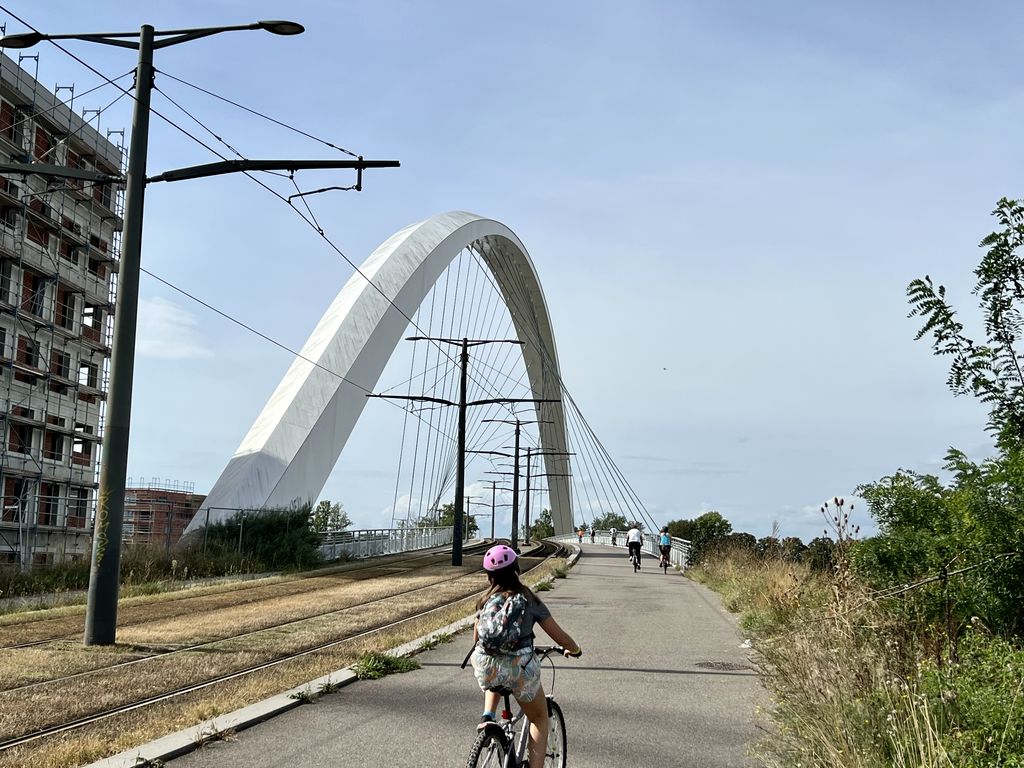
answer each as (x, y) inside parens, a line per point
(724, 201)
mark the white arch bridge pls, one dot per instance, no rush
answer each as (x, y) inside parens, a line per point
(294, 444)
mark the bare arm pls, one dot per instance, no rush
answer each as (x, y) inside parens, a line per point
(559, 635)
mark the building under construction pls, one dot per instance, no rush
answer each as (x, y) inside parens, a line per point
(157, 512)
(59, 241)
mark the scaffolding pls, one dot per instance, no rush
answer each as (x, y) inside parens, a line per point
(59, 253)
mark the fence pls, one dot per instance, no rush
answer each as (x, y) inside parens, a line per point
(680, 554)
(383, 541)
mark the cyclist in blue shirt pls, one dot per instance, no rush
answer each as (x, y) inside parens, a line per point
(665, 545)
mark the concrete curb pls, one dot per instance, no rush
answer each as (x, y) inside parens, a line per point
(182, 742)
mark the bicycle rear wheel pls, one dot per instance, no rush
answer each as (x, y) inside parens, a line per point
(555, 757)
(489, 750)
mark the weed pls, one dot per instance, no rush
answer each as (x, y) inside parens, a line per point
(544, 586)
(329, 687)
(305, 696)
(560, 572)
(435, 640)
(375, 665)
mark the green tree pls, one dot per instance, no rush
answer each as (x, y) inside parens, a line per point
(819, 554)
(446, 518)
(990, 370)
(969, 534)
(793, 548)
(610, 520)
(329, 518)
(704, 533)
(739, 540)
(543, 526)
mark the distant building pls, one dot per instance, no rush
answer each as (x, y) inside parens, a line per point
(59, 252)
(157, 512)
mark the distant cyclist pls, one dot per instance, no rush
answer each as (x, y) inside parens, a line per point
(579, 533)
(593, 534)
(634, 541)
(665, 545)
(615, 540)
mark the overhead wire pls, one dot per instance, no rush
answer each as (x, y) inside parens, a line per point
(259, 114)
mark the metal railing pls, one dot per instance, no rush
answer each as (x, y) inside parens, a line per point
(679, 556)
(382, 541)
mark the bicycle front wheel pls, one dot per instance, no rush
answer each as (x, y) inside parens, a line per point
(555, 756)
(489, 750)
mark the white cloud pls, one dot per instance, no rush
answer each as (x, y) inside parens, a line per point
(169, 332)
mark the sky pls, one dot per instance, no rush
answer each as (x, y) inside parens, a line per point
(724, 202)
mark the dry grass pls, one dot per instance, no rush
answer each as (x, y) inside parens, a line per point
(209, 625)
(61, 702)
(69, 620)
(836, 663)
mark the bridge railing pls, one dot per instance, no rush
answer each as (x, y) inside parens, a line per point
(373, 542)
(680, 554)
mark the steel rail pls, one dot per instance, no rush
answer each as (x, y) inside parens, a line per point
(176, 601)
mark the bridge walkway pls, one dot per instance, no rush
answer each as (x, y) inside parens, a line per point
(665, 680)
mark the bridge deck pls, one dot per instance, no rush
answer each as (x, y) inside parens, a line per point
(663, 681)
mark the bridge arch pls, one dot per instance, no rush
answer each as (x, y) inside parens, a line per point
(294, 444)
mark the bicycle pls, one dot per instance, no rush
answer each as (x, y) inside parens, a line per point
(499, 745)
(634, 558)
(663, 563)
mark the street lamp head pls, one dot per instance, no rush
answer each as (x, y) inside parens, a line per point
(24, 40)
(279, 27)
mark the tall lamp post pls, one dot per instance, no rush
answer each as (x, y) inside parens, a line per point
(101, 612)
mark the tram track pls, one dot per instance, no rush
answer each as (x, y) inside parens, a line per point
(181, 606)
(163, 654)
(75, 723)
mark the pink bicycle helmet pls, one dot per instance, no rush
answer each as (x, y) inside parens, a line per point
(499, 556)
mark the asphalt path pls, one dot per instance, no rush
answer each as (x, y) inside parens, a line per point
(665, 680)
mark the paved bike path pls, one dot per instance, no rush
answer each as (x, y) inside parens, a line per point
(664, 681)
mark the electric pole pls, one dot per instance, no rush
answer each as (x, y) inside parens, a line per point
(460, 468)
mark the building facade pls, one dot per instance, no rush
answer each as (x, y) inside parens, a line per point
(59, 246)
(157, 512)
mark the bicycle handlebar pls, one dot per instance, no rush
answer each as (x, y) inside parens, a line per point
(545, 650)
(540, 650)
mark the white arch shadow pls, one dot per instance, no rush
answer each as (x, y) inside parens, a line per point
(293, 445)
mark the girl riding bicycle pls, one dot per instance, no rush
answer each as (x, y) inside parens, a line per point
(519, 669)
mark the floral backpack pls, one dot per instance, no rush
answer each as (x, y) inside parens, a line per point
(499, 626)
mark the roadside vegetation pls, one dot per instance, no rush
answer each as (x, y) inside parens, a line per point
(906, 648)
(273, 540)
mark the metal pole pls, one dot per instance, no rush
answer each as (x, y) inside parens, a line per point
(101, 610)
(494, 491)
(206, 530)
(460, 467)
(526, 533)
(515, 493)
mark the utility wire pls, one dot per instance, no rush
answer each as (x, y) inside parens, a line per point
(259, 114)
